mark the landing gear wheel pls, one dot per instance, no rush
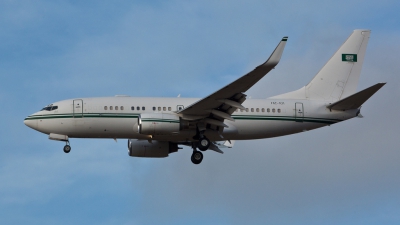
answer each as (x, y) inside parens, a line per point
(67, 148)
(197, 157)
(203, 144)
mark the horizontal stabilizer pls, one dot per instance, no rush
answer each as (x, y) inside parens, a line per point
(356, 100)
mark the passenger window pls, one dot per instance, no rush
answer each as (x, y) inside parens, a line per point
(154, 108)
(279, 110)
(138, 108)
(273, 110)
(159, 108)
(133, 107)
(111, 108)
(262, 110)
(241, 110)
(143, 108)
(257, 110)
(164, 109)
(122, 108)
(116, 107)
(169, 108)
(252, 109)
(105, 107)
(268, 110)
(247, 109)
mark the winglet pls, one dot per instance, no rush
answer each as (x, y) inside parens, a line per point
(277, 54)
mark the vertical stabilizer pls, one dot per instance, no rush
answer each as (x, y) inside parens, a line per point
(338, 79)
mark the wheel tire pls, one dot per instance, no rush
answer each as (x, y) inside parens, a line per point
(203, 144)
(67, 148)
(197, 157)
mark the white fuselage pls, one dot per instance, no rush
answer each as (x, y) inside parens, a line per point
(117, 117)
(156, 127)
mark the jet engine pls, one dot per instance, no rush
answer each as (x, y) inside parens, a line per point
(154, 149)
(158, 123)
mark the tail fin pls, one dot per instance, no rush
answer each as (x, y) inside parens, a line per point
(338, 79)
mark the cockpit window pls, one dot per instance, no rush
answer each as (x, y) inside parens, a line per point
(50, 108)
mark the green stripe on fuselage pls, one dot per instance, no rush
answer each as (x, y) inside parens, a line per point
(160, 120)
(287, 118)
(129, 115)
(85, 115)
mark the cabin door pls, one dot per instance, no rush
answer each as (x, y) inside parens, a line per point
(78, 108)
(299, 112)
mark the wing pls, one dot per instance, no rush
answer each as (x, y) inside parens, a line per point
(218, 106)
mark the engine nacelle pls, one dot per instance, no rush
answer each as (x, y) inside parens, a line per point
(155, 149)
(158, 123)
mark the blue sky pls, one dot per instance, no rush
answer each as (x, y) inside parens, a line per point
(347, 173)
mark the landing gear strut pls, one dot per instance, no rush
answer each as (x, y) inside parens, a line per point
(67, 148)
(203, 142)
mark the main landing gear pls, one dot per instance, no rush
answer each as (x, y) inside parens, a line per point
(67, 147)
(203, 144)
(197, 157)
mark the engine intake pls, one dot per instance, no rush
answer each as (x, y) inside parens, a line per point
(155, 149)
(158, 123)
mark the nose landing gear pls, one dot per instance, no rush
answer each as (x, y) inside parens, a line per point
(67, 147)
(61, 137)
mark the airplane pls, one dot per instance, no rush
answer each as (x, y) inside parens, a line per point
(157, 127)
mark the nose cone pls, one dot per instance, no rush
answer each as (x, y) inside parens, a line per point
(31, 123)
